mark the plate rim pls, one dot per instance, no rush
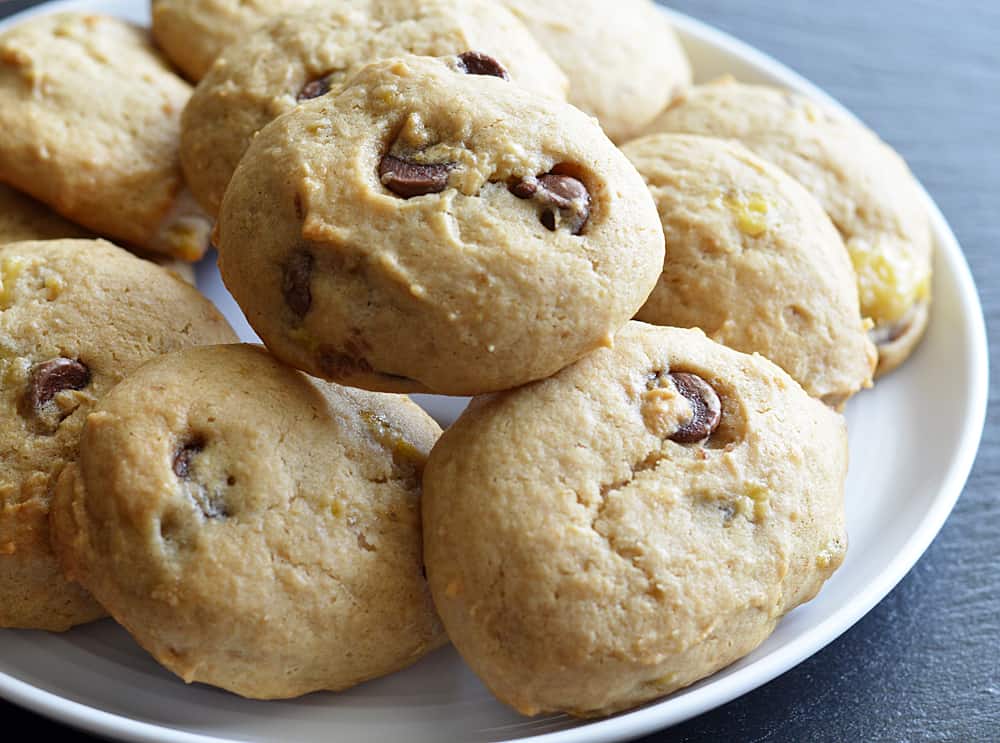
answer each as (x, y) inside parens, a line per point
(654, 716)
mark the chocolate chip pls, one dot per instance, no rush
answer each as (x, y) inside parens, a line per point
(524, 189)
(314, 89)
(184, 455)
(212, 504)
(477, 63)
(705, 406)
(565, 200)
(50, 378)
(408, 179)
(295, 284)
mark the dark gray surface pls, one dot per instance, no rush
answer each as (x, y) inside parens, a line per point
(925, 664)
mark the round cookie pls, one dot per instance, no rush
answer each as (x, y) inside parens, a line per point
(753, 260)
(633, 524)
(304, 55)
(623, 59)
(109, 162)
(865, 187)
(76, 316)
(253, 528)
(192, 33)
(426, 229)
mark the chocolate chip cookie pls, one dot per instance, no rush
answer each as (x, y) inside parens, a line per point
(304, 55)
(253, 528)
(623, 60)
(432, 229)
(192, 33)
(91, 121)
(76, 316)
(753, 260)
(865, 187)
(633, 524)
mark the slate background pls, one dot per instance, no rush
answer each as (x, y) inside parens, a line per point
(924, 665)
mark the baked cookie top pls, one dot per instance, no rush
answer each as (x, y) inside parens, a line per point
(76, 316)
(80, 152)
(304, 55)
(754, 261)
(430, 229)
(623, 59)
(632, 524)
(253, 528)
(865, 187)
(192, 33)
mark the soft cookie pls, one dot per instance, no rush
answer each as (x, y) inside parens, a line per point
(623, 60)
(76, 316)
(23, 218)
(304, 55)
(865, 187)
(192, 33)
(633, 524)
(90, 116)
(253, 528)
(434, 228)
(753, 260)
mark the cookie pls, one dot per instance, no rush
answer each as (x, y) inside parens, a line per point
(427, 229)
(23, 218)
(633, 524)
(753, 260)
(192, 33)
(253, 528)
(623, 59)
(865, 187)
(109, 162)
(301, 56)
(76, 316)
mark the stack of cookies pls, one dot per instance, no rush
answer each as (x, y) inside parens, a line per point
(661, 296)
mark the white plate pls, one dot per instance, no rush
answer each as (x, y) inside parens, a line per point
(913, 440)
